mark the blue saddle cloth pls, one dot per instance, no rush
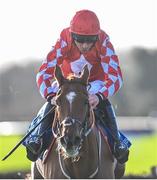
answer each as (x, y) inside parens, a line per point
(106, 131)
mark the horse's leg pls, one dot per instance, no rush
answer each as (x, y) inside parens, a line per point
(35, 174)
(119, 170)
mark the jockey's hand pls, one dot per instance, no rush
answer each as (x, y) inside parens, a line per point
(52, 100)
(93, 100)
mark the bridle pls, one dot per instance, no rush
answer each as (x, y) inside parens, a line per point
(85, 126)
(85, 131)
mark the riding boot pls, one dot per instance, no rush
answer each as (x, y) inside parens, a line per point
(121, 150)
(35, 142)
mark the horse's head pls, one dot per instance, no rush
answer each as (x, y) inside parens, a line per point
(72, 111)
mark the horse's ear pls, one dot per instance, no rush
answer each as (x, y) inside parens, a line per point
(58, 75)
(85, 74)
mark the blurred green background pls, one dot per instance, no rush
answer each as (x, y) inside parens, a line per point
(17, 161)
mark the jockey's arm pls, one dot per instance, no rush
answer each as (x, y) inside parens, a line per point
(112, 72)
(45, 77)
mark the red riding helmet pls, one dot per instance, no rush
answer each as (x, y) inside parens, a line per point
(85, 22)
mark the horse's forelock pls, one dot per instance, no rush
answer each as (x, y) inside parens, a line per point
(72, 78)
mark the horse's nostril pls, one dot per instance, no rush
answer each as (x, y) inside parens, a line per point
(69, 144)
(66, 142)
(77, 140)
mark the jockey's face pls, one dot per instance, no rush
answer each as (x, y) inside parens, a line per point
(84, 46)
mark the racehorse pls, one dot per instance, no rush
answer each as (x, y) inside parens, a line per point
(79, 150)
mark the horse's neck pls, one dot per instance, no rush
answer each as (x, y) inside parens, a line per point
(91, 142)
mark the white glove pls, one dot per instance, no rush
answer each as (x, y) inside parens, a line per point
(53, 100)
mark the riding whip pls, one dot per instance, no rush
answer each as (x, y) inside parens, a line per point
(20, 142)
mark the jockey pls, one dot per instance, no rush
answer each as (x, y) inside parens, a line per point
(82, 43)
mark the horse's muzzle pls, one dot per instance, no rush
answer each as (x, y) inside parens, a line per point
(71, 146)
(69, 143)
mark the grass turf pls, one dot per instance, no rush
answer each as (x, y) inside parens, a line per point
(143, 155)
(17, 161)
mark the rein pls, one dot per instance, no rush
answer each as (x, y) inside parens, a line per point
(89, 129)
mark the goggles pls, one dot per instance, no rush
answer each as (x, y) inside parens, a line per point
(84, 38)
